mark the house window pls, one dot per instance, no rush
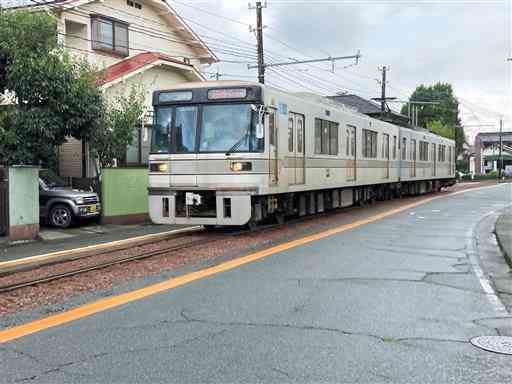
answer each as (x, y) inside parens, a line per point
(326, 137)
(369, 144)
(109, 35)
(134, 4)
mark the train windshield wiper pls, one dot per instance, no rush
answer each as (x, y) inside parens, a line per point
(239, 142)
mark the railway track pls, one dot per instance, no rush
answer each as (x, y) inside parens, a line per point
(104, 264)
(208, 237)
(118, 260)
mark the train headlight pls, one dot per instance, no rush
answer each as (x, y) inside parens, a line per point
(159, 167)
(239, 166)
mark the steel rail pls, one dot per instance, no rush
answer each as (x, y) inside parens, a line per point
(117, 261)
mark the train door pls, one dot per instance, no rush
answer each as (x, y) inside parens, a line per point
(296, 163)
(434, 159)
(413, 158)
(351, 153)
(385, 154)
(273, 162)
(300, 168)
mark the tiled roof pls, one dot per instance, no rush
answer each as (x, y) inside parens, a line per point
(493, 137)
(361, 105)
(135, 63)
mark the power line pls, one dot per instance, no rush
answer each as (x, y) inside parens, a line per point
(212, 13)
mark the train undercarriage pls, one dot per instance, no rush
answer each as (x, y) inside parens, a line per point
(279, 207)
(235, 208)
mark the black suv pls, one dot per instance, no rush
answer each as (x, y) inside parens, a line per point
(60, 205)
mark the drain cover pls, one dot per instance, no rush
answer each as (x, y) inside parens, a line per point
(497, 344)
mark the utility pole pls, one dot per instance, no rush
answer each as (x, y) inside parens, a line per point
(383, 90)
(383, 99)
(259, 38)
(501, 149)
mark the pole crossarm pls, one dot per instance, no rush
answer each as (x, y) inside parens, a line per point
(357, 56)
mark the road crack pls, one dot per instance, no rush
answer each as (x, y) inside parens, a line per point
(384, 339)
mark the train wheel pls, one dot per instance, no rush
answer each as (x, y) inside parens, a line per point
(280, 218)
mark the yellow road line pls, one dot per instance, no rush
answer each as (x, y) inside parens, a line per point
(6, 265)
(115, 301)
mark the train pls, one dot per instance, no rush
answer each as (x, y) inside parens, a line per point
(236, 153)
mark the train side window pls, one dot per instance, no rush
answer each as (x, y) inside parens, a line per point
(333, 139)
(369, 143)
(347, 143)
(272, 127)
(394, 147)
(326, 137)
(385, 146)
(404, 148)
(423, 151)
(353, 141)
(290, 134)
(413, 149)
(318, 136)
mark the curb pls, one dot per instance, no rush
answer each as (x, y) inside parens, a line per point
(503, 231)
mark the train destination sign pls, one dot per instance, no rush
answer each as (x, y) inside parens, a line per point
(227, 93)
(166, 97)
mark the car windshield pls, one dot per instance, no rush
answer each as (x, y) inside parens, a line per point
(51, 180)
(223, 126)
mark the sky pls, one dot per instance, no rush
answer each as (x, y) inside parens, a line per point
(462, 42)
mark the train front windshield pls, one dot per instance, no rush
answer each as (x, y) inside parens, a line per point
(205, 129)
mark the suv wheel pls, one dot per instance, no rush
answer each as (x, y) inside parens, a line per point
(61, 216)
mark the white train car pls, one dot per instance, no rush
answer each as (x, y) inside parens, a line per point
(232, 153)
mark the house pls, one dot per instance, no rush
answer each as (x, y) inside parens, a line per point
(143, 42)
(487, 151)
(370, 108)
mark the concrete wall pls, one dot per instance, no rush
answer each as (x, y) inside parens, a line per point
(124, 195)
(23, 203)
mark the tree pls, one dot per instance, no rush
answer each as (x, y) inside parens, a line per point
(55, 96)
(437, 127)
(118, 128)
(442, 118)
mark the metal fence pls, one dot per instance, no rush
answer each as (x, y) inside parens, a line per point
(4, 200)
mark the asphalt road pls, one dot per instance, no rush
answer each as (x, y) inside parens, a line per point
(395, 300)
